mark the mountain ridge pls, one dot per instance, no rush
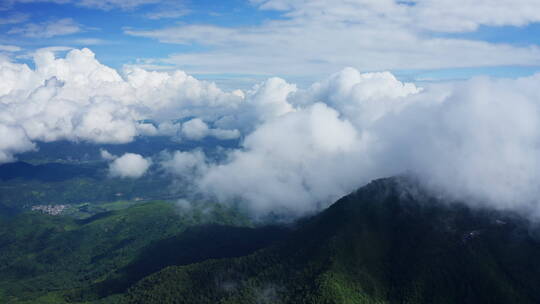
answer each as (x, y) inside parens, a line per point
(388, 242)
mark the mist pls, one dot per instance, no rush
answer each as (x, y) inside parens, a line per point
(475, 141)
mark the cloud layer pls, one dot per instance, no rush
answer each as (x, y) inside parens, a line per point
(319, 36)
(300, 149)
(476, 140)
(77, 98)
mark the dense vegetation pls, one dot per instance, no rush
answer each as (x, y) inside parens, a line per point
(386, 243)
(53, 259)
(74, 173)
(111, 232)
(389, 242)
(23, 185)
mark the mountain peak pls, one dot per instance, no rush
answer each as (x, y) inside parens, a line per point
(389, 241)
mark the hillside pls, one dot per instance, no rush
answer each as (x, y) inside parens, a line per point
(58, 259)
(388, 242)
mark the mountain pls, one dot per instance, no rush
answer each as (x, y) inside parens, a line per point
(388, 242)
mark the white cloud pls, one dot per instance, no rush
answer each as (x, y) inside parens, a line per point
(480, 143)
(225, 134)
(270, 98)
(185, 164)
(263, 102)
(9, 48)
(361, 97)
(13, 141)
(319, 37)
(48, 29)
(195, 129)
(292, 165)
(169, 128)
(475, 141)
(463, 15)
(129, 165)
(434, 15)
(77, 98)
(168, 13)
(301, 148)
(90, 41)
(49, 49)
(106, 155)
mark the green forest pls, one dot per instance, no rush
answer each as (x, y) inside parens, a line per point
(388, 242)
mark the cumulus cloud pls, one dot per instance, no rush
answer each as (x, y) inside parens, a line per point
(106, 155)
(309, 148)
(291, 165)
(168, 128)
(361, 97)
(77, 98)
(185, 164)
(196, 129)
(475, 140)
(225, 134)
(301, 149)
(129, 165)
(13, 141)
(265, 101)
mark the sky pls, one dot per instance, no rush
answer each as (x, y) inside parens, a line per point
(240, 42)
(321, 96)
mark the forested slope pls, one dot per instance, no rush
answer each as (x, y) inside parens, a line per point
(389, 242)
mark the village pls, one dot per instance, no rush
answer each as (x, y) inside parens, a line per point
(50, 209)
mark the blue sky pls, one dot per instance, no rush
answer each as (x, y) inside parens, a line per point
(112, 46)
(245, 41)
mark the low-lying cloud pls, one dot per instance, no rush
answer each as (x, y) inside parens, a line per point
(476, 140)
(300, 149)
(129, 165)
(196, 129)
